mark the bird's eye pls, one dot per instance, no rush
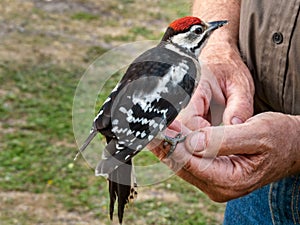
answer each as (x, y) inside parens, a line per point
(198, 30)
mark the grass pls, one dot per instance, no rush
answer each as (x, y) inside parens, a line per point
(84, 16)
(39, 147)
(93, 52)
(37, 144)
(144, 32)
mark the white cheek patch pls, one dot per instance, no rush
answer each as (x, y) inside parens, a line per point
(188, 40)
(180, 39)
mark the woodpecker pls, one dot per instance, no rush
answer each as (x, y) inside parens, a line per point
(154, 89)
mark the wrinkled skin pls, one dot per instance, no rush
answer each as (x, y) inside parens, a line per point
(227, 80)
(246, 153)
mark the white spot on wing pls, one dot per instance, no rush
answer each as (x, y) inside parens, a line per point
(132, 140)
(116, 88)
(151, 122)
(107, 100)
(115, 122)
(143, 134)
(119, 147)
(150, 137)
(98, 173)
(145, 121)
(137, 133)
(123, 110)
(161, 127)
(118, 130)
(99, 114)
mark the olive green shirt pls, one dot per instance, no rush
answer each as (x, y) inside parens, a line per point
(269, 39)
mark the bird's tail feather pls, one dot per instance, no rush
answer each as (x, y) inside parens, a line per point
(93, 133)
(112, 188)
(121, 180)
(120, 186)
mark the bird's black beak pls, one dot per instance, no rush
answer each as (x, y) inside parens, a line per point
(216, 24)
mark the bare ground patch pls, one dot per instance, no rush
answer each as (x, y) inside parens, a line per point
(28, 208)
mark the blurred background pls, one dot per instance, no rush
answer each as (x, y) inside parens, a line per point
(45, 48)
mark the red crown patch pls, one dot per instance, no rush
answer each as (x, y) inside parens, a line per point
(184, 23)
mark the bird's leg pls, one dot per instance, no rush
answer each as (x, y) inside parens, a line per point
(173, 141)
(133, 190)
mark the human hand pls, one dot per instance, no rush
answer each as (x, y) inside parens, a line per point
(227, 162)
(226, 79)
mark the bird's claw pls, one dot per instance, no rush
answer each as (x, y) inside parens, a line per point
(133, 194)
(173, 141)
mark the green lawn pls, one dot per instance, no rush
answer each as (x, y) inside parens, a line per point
(37, 144)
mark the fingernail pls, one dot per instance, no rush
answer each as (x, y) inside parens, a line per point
(197, 142)
(236, 120)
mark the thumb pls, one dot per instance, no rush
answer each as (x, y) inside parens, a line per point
(206, 142)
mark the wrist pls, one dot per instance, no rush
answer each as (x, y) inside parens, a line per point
(228, 35)
(209, 10)
(217, 51)
(294, 130)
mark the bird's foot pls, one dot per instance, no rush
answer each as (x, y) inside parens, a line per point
(173, 141)
(133, 193)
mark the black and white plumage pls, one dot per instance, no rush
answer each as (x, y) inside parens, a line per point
(155, 88)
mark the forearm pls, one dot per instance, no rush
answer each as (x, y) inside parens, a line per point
(210, 10)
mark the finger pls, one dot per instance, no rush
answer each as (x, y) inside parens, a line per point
(244, 139)
(160, 150)
(195, 115)
(224, 177)
(239, 108)
(211, 176)
(210, 85)
(226, 140)
(239, 94)
(216, 100)
(196, 142)
(196, 122)
(213, 192)
(155, 146)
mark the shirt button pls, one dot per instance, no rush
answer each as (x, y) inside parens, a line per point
(277, 38)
